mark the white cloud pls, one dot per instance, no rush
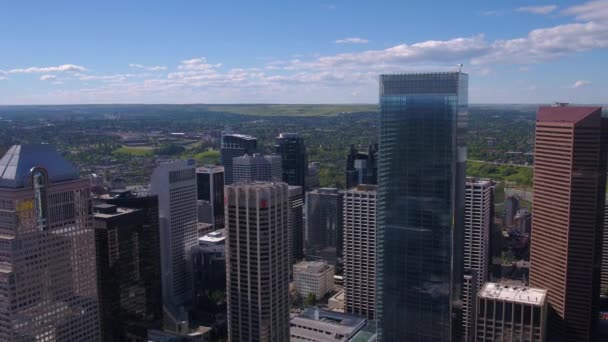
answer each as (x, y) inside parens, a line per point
(580, 84)
(592, 10)
(3, 78)
(197, 64)
(149, 68)
(352, 40)
(43, 70)
(48, 77)
(537, 9)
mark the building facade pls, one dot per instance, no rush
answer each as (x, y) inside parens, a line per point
(48, 287)
(567, 224)
(296, 224)
(360, 250)
(511, 313)
(128, 271)
(324, 226)
(604, 282)
(235, 145)
(210, 194)
(175, 184)
(361, 167)
(256, 168)
(316, 277)
(257, 259)
(312, 176)
(477, 226)
(291, 148)
(316, 325)
(511, 208)
(422, 159)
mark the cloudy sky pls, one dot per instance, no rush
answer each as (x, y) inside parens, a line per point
(56, 52)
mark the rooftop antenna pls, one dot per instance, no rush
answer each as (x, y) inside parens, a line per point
(460, 67)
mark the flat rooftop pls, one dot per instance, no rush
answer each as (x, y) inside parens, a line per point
(214, 237)
(312, 266)
(336, 322)
(510, 293)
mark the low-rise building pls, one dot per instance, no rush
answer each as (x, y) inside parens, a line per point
(316, 325)
(315, 277)
(511, 313)
(336, 302)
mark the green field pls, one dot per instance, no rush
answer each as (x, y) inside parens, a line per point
(520, 175)
(292, 109)
(135, 151)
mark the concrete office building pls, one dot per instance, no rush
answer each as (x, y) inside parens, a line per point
(360, 250)
(604, 282)
(324, 226)
(316, 277)
(523, 221)
(291, 148)
(511, 313)
(256, 168)
(567, 224)
(175, 184)
(296, 224)
(235, 145)
(421, 195)
(511, 208)
(477, 223)
(257, 258)
(210, 194)
(317, 325)
(48, 284)
(208, 267)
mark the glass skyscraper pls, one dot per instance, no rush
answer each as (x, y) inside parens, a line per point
(421, 206)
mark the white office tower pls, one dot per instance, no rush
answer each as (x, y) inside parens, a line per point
(511, 313)
(257, 261)
(316, 277)
(478, 220)
(360, 250)
(175, 184)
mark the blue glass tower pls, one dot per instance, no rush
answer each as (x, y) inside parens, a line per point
(421, 206)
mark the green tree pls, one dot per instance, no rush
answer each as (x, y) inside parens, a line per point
(310, 300)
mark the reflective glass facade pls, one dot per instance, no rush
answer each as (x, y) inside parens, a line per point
(421, 206)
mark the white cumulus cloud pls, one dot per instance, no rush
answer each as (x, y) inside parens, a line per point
(580, 84)
(537, 9)
(44, 70)
(149, 68)
(48, 77)
(352, 40)
(592, 10)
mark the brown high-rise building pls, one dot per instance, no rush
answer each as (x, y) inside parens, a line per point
(569, 194)
(48, 288)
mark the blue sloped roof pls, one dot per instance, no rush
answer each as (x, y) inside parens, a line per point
(16, 164)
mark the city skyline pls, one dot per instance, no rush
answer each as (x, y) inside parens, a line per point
(521, 52)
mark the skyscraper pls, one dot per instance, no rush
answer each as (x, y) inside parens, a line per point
(235, 145)
(291, 148)
(296, 224)
(324, 226)
(128, 269)
(477, 225)
(421, 206)
(257, 259)
(604, 283)
(360, 250)
(48, 285)
(361, 167)
(175, 184)
(569, 200)
(210, 190)
(256, 168)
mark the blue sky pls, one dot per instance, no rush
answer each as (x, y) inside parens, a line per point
(56, 52)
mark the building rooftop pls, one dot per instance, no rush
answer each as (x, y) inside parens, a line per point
(19, 160)
(215, 237)
(210, 169)
(312, 266)
(324, 320)
(518, 294)
(288, 135)
(241, 136)
(566, 114)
